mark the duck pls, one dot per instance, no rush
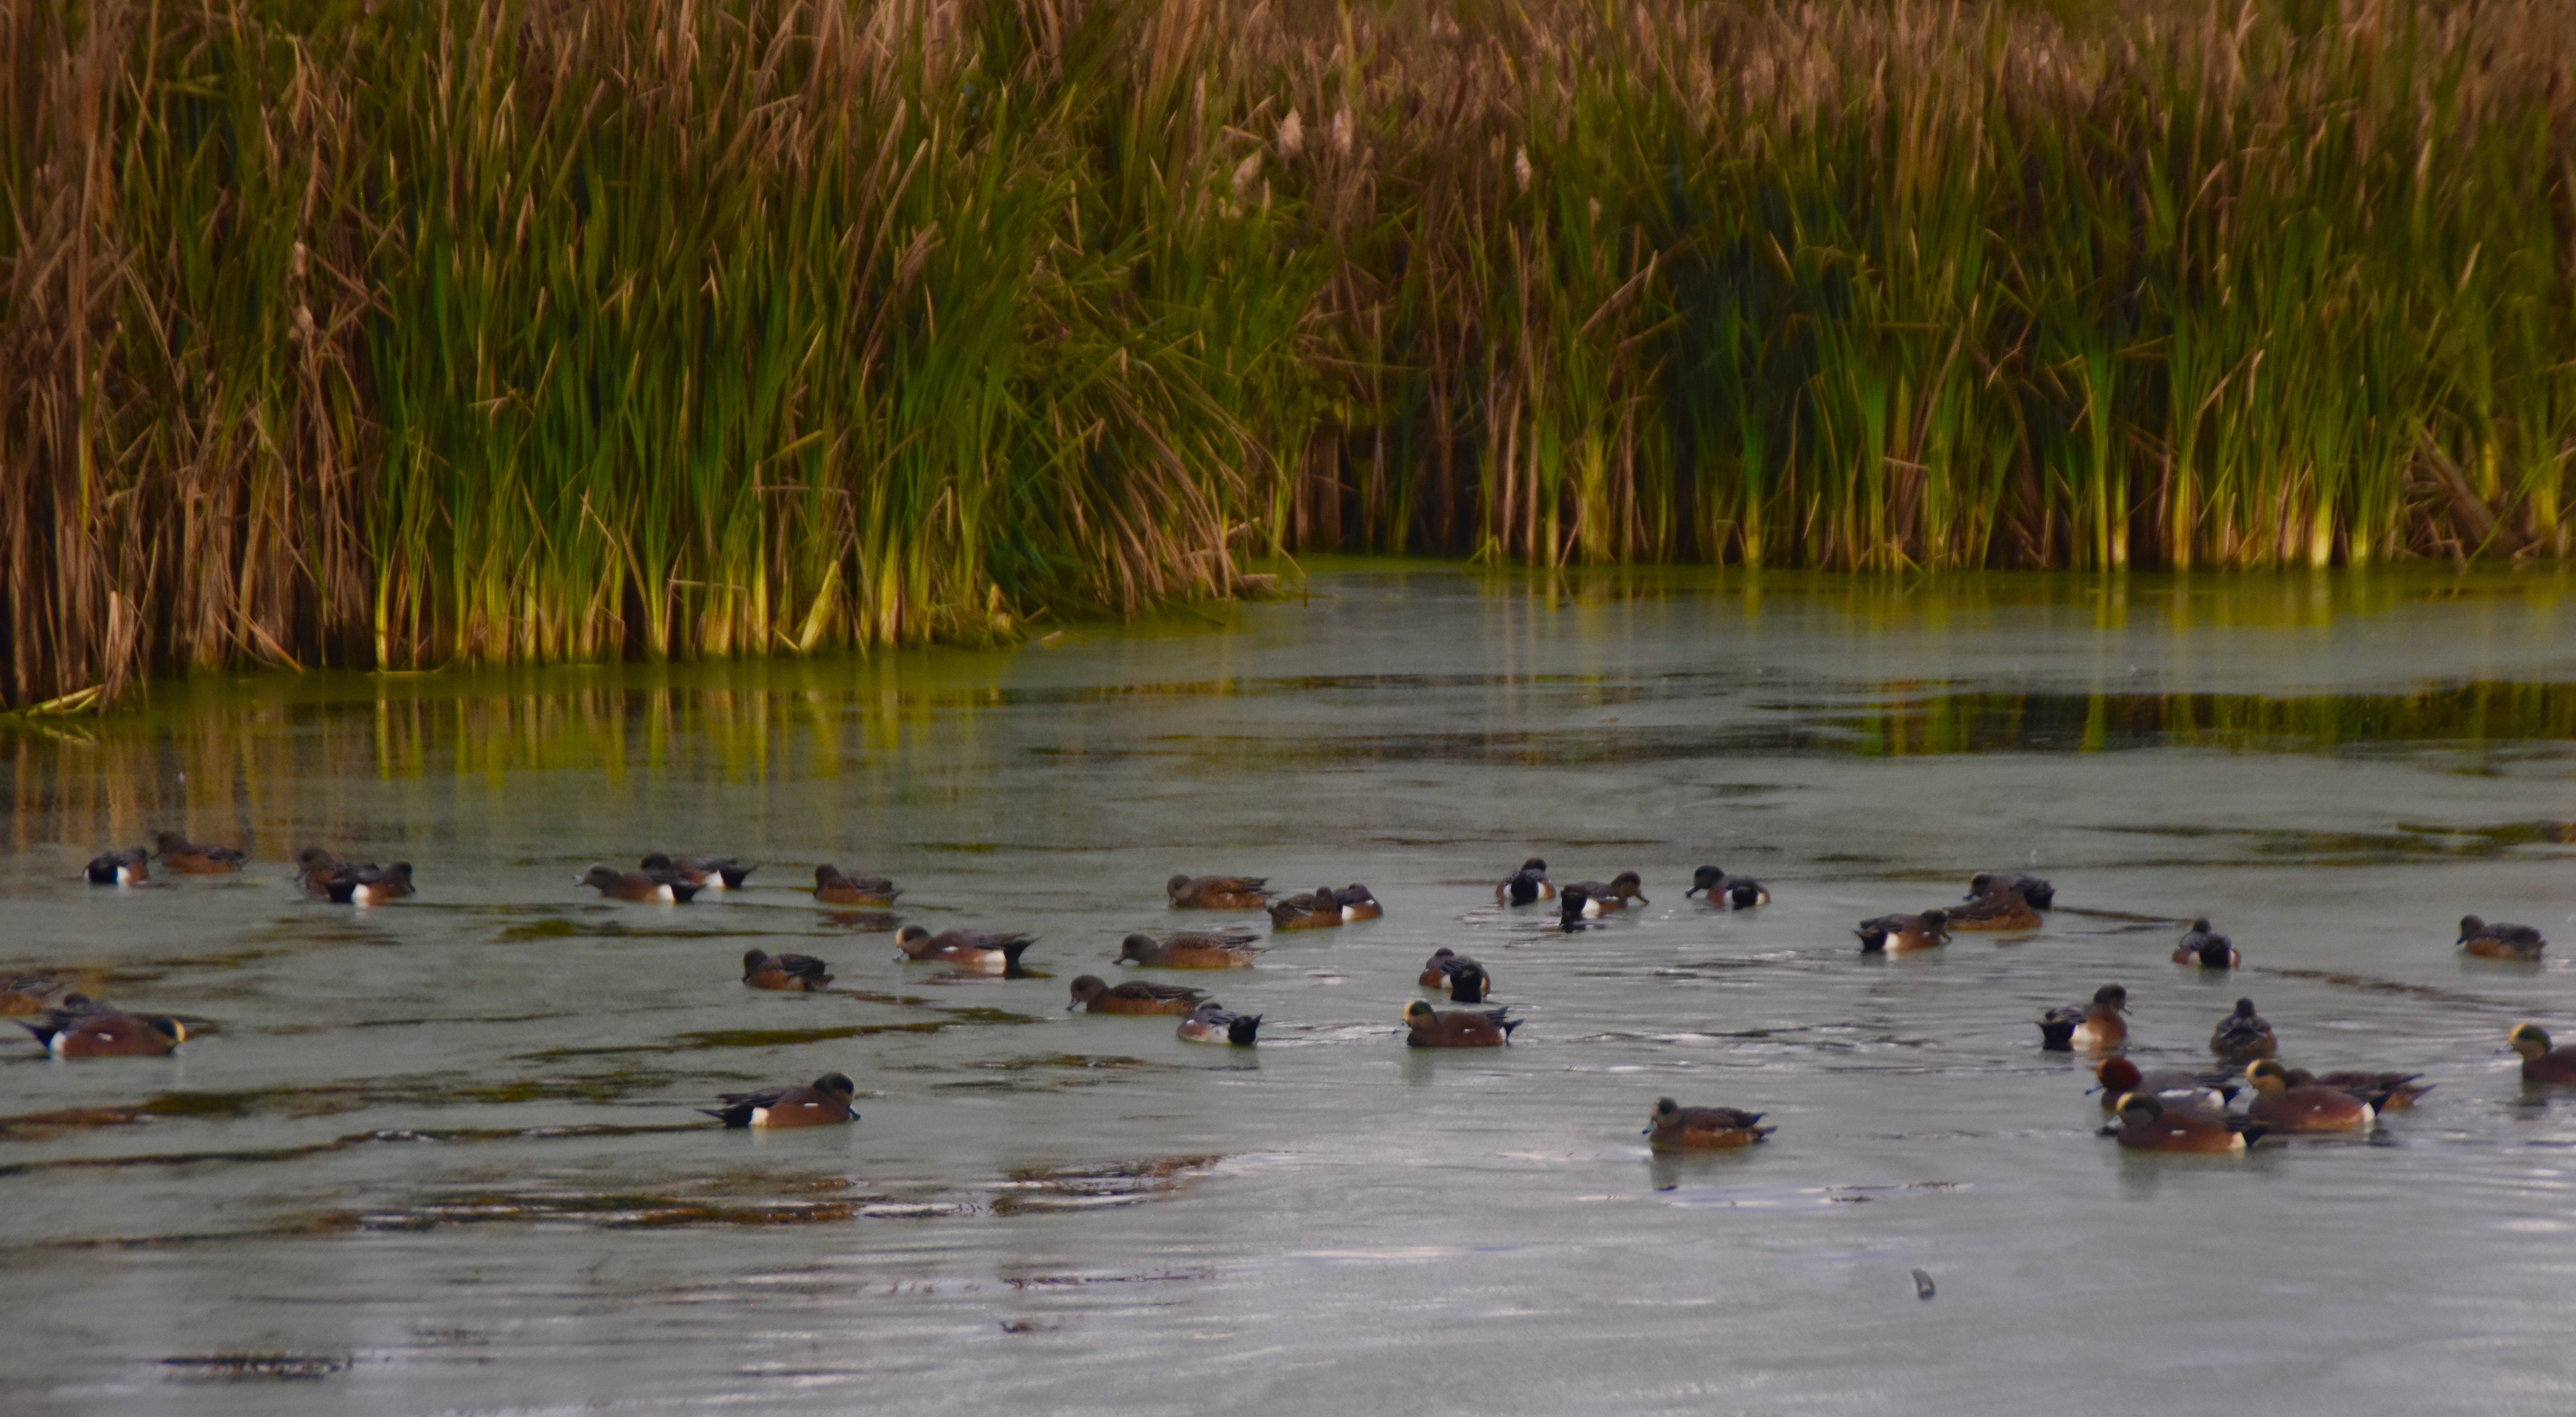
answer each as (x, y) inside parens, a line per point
(81, 1027)
(1357, 903)
(1190, 949)
(2243, 1036)
(1600, 899)
(1727, 892)
(2000, 912)
(2540, 1062)
(1572, 905)
(634, 885)
(713, 873)
(2389, 1092)
(26, 993)
(2206, 948)
(794, 973)
(365, 885)
(1678, 1128)
(2499, 941)
(1427, 1027)
(2038, 893)
(190, 858)
(2288, 1108)
(315, 869)
(972, 949)
(1320, 910)
(1900, 934)
(2119, 1077)
(2148, 1123)
(823, 1103)
(1217, 892)
(2092, 1026)
(1463, 978)
(833, 886)
(1210, 1024)
(1529, 883)
(1093, 994)
(118, 868)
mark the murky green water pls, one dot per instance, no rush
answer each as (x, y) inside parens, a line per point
(441, 1156)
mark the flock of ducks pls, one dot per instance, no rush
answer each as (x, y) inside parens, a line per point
(2165, 1110)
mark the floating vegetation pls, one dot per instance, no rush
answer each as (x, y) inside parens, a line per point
(1083, 1187)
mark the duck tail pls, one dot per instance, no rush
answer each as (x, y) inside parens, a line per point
(682, 891)
(1013, 949)
(738, 1115)
(734, 876)
(1511, 1023)
(1240, 1030)
(2057, 1035)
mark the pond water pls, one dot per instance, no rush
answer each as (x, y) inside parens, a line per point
(441, 1156)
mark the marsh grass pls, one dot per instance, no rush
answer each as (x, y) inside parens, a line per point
(535, 330)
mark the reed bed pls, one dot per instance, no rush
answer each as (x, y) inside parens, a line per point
(534, 330)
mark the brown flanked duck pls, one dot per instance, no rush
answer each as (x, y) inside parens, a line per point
(792, 973)
(1996, 912)
(2286, 1107)
(1599, 899)
(1095, 995)
(191, 858)
(1318, 911)
(2147, 1123)
(2039, 894)
(833, 886)
(1903, 934)
(1727, 892)
(1427, 1027)
(1357, 903)
(2499, 941)
(2389, 1092)
(2119, 1077)
(2243, 1036)
(118, 868)
(2091, 1027)
(82, 1027)
(365, 885)
(1529, 883)
(1217, 892)
(1678, 1128)
(636, 885)
(316, 868)
(27, 993)
(1210, 1024)
(1463, 978)
(967, 949)
(1190, 949)
(707, 873)
(826, 1102)
(2206, 948)
(2540, 1062)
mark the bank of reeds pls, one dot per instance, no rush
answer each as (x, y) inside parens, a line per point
(543, 329)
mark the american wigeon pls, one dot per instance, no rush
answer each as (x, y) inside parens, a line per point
(365, 885)
(2499, 941)
(1996, 912)
(1190, 949)
(1728, 892)
(26, 993)
(971, 949)
(1678, 1128)
(833, 886)
(2243, 1036)
(1210, 1024)
(2092, 1026)
(1427, 1027)
(2389, 1092)
(1217, 892)
(2287, 1108)
(793, 973)
(1095, 995)
(825, 1103)
(1527, 884)
(1900, 934)
(1463, 978)
(118, 868)
(2540, 1062)
(2206, 948)
(2147, 1123)
(190, 858)
(1317, 911)
(316, 868)
(710, 873)
(2119, 1077)
(635, 885)
(1357, 903)
(2038, 893)
(81, 1027)
(1600, 899)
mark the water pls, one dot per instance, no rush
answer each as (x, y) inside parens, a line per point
(441, 1156)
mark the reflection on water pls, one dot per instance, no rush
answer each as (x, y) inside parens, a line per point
(444, 1154)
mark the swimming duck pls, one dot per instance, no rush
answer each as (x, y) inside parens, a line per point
(1317, 911)
(2499, 941)
(825, 1103)
(795, 973)
(190, 858)
(711, 873)
(1209, 1024)
(2206, 948)
(2149, 1124)
(1898, 934)
(1527, 884)
(2389, 1092)
(118, 868)
(635, 885)
(1463, 977)
(2540, 1062)
(1190, 950)
(2243, 1036)
(1092, 994)
(1678, 1128)
(2092, 1026)
(972, 949)
(1727, 892)
(1217, 892)
(82, 1027)
(365, 885)
(315, 868)
(1427, 1027)
(2038, 893)
(1599, 899)
(26, 993)
(2119, 1077)
(833, 886)
(2001, 912)
(1357, 903)
(2286, 1108)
